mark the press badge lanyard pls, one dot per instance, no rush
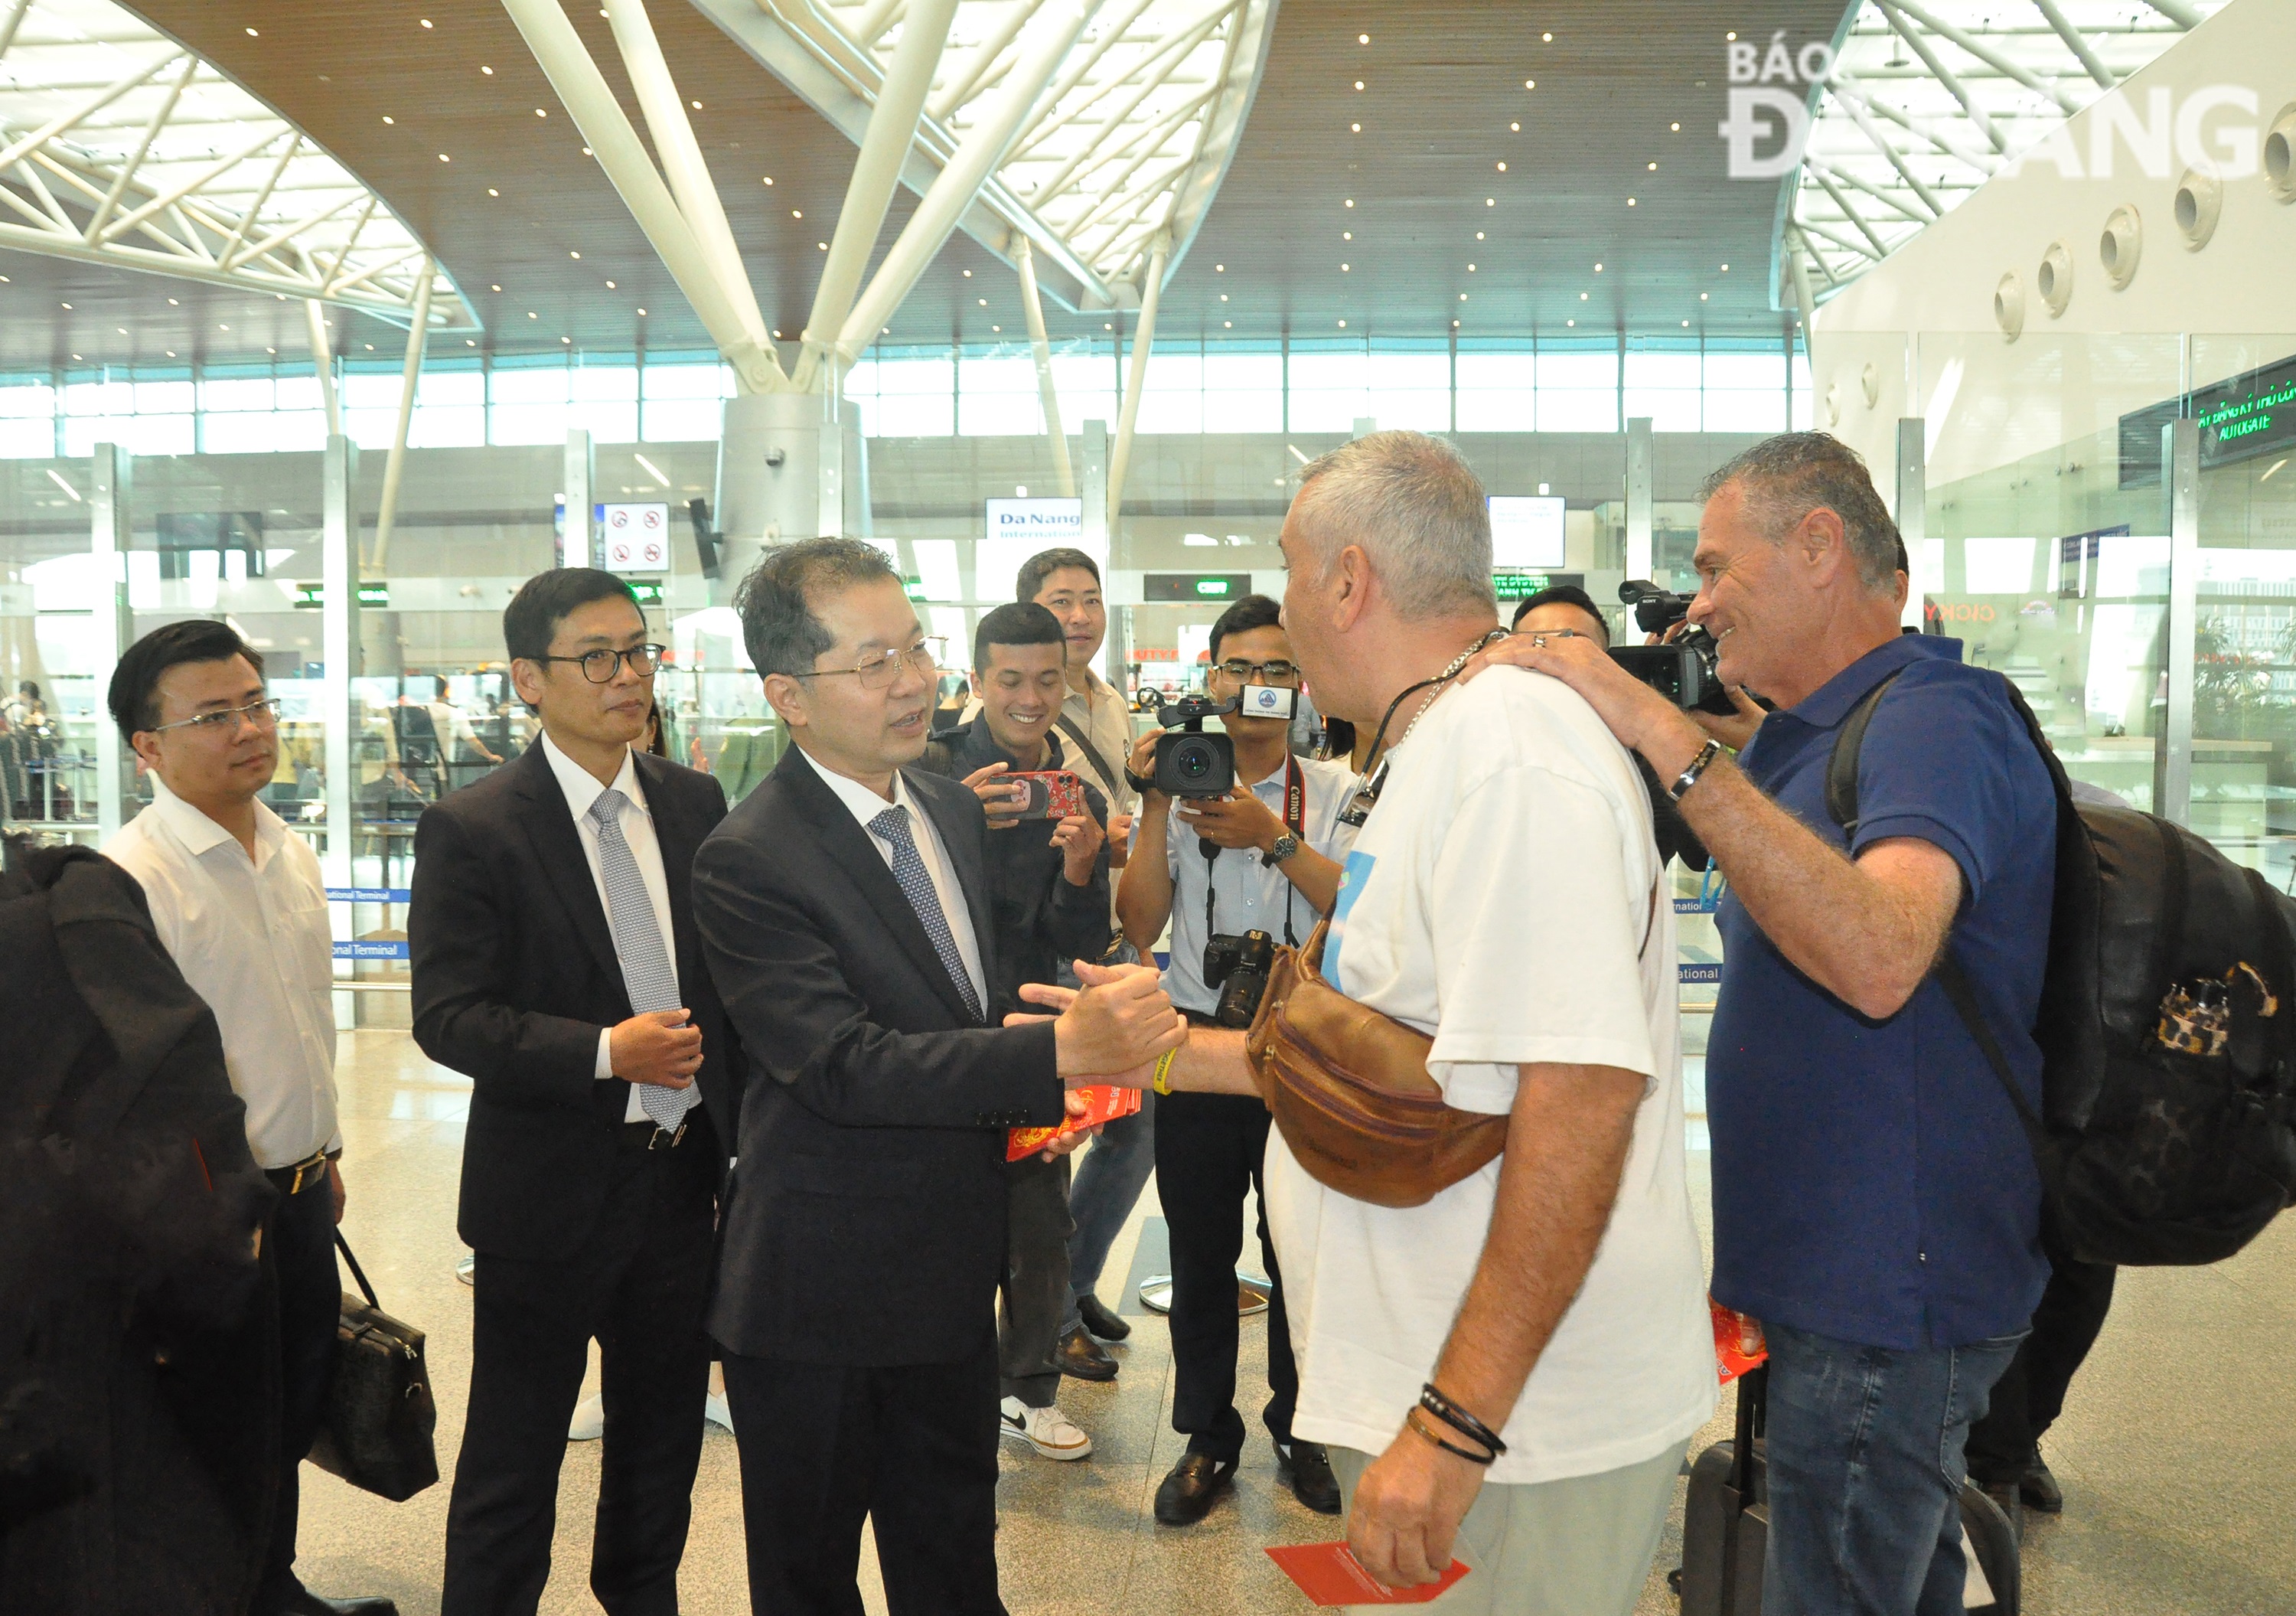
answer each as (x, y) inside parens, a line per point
(1295, 820)
(1374, 780)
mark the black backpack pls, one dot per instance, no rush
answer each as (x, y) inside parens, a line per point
(2167, 1029)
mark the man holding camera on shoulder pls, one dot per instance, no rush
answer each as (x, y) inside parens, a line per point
(1875, 1201)
(1236, 874)
(1048, 893)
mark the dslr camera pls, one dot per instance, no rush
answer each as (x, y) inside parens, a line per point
(1683, 670)
(1238, 967)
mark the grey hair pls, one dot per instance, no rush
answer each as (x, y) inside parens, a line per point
(1416, 508)
(1783, 479)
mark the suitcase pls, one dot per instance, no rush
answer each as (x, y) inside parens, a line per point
(1726, 1521)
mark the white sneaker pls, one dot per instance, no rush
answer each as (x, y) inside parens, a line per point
(715, 1411)
(1052, 1433)
(589, 1422)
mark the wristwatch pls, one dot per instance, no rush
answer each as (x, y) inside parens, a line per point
(1280, 849)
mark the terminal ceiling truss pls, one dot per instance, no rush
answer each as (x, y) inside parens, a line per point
(1127, 144)
(1929, 99)
(119, 146)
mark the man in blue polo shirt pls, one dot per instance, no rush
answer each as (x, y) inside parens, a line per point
(1875, 1202)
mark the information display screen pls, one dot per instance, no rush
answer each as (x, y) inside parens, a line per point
(2253, 414)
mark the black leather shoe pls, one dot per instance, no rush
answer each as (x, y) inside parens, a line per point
(2039, 1490)
(1084, 1358)
(1306, 1469)
(1100, 1321)
(307, 1604)
(1185, 1496)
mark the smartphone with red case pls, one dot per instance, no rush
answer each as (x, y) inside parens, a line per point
(1053, 793)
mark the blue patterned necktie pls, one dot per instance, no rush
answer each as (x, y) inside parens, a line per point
(646, 975)
(892, 826)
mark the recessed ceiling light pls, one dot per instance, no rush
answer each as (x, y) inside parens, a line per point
(996, 328)
(1630, 202)
(171, 352)
(573, 254)
(1346, 236)
(1516, 127)
(968, 275)
(1355, 128)
(1343, 269)
(1502, 167)
(1570, 322)
(122, 330)
(1703, 297)
(797, 213)
(251, 34)
(496, 287)
(541, 113)
(1343, 325)
(1359, 83)
(1686, 322)
(1653, 168)
(370, 347)
(1531, 84)
(1223, 296)
(1462, 296)
(821, 246)
(171, 302)
(1548, 38)
(443, 158)
(274, 351)
(1726, 270)
(1479, 236)
(641, 311)
(570, 341)
(223, 328)
(1470, 269)
(1105, 326)
(492, 192)
(1352, 202)
(610, 286)
(1732, 34)
(1675, 127)
(982, 302)
(426, 23)
(585, 151)
(1455, 325)
(531, 315)
(1360, 39)
(697, 106)
(1598, 269)
(489, 72)
(1582, 297)
(387, 119)
(1219, 269)
(1490, 201)
(1228, 325)
(467, 342)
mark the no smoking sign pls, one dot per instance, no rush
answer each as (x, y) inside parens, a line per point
(637, 537)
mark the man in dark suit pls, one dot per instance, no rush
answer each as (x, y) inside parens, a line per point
(845, 910)
(556, 964)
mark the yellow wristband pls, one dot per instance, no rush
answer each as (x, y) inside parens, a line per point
(1161, 1083)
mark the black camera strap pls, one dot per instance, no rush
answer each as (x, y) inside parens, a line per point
(1295, 820)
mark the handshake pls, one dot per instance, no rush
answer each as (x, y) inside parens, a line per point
(1110, 1030)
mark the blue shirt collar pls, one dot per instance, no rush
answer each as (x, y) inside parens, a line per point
(1831, 703)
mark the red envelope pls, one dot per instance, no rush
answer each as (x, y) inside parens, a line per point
(1738, 1343)
(1104, 1103)
(1328, 1574)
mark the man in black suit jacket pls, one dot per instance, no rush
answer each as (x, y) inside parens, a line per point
(556, 964)
(845, 911)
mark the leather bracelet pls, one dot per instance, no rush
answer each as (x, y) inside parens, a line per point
(1162, 1082)
(1691, 775)
(1459, 1420)
(1141, 783)
(1416, 1419)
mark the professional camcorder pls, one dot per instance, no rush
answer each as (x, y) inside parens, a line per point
(1683, 670)
(1238, 966)
(1190, 763)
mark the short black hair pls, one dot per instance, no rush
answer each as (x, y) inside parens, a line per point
(530, 621)
(439, 687)
(1021, 623)
(778, 626)
(1043, 564)
(1252, 612)
(1564, 595)
(134, 696)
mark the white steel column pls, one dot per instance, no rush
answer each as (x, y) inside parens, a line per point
(1095, 525)
(417, 334)
(1913, 503)
(2180, 465)
(581, 473)
(1144, 342)
(946, 200)
(681, 156)
(112, 476)
(339, 641)
(323, 361)
(1638, 498)
(876, 171)
(1034, 307)
(559, 52)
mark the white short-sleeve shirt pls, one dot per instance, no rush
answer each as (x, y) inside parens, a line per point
(1501, 898)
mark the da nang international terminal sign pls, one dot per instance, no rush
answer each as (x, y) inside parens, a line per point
(1039, 524)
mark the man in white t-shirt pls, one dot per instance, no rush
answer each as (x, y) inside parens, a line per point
(1503, 896)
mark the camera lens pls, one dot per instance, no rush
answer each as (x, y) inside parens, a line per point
(1193, 762)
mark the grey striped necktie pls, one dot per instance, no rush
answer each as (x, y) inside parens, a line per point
(646, 975)
(892, 826)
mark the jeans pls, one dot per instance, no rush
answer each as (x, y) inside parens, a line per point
(1110, 1176)
(1865, 1468)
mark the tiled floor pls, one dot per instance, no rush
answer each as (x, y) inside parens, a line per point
(2178, 1450)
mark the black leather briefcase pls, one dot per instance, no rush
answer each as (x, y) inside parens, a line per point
(380, 1416)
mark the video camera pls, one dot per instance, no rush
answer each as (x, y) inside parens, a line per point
(1190, 763)
(1684, 669)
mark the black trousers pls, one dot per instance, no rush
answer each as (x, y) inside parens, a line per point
(2031, 1393)
(1208, 1150)
(1034, 1290)
(638, 1285)
(913, 1448)
(300, 1238)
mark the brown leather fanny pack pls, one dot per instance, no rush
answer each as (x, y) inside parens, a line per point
(1351, 1094)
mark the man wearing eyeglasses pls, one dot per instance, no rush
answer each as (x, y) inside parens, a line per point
(1261, 858)
(556, 964)
(238, 902)
(849, 914)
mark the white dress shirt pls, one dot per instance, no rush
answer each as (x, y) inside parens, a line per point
(251, 937)
(866, 804)
(582, 789)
